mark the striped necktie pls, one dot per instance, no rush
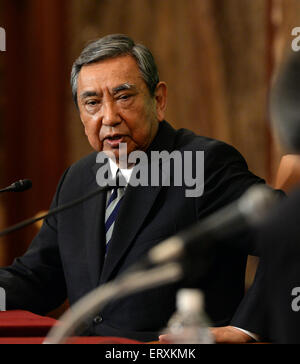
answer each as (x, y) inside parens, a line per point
(112, 209)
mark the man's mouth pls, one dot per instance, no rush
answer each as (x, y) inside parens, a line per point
(114, 140)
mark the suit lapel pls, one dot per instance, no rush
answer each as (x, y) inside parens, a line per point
(135, 207)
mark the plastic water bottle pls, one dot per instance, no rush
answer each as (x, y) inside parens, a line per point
(189, 324)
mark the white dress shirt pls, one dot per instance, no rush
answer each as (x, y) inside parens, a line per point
(126, 173)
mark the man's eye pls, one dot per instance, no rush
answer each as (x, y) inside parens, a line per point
(124, 97)
(91, 103)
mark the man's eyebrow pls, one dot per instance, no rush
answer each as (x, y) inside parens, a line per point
(115, 90)
(124, 86)
(86, 94)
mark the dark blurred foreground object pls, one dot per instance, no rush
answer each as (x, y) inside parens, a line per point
(279, 237)
(279, 240)
(272, 306)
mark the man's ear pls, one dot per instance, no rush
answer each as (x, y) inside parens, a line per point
(161, 100)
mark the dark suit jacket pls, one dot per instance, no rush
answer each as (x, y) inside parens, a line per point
(66, 259)
(267, 308)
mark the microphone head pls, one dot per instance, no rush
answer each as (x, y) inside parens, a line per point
(20, 186)
(257, 202)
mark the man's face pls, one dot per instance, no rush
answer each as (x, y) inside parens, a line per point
(116, 107)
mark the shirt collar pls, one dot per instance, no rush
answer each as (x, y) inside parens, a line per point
(125, 172)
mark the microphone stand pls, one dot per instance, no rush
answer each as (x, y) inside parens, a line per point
(96, 300)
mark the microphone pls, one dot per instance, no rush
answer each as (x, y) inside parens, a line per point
(56, 210)
(19, 186)
(198, 241)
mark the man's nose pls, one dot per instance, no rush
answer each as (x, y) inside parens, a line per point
(111, 115)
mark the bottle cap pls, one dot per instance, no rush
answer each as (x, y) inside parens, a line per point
(190, 300)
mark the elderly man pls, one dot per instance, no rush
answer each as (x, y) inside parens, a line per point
(121, 101)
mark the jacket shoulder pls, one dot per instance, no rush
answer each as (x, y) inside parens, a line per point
(83, 164)
(212, 148)
(77, 177)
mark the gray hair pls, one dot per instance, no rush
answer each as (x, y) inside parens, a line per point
(113, 46)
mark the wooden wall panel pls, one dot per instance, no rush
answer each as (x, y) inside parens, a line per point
(33, 125)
